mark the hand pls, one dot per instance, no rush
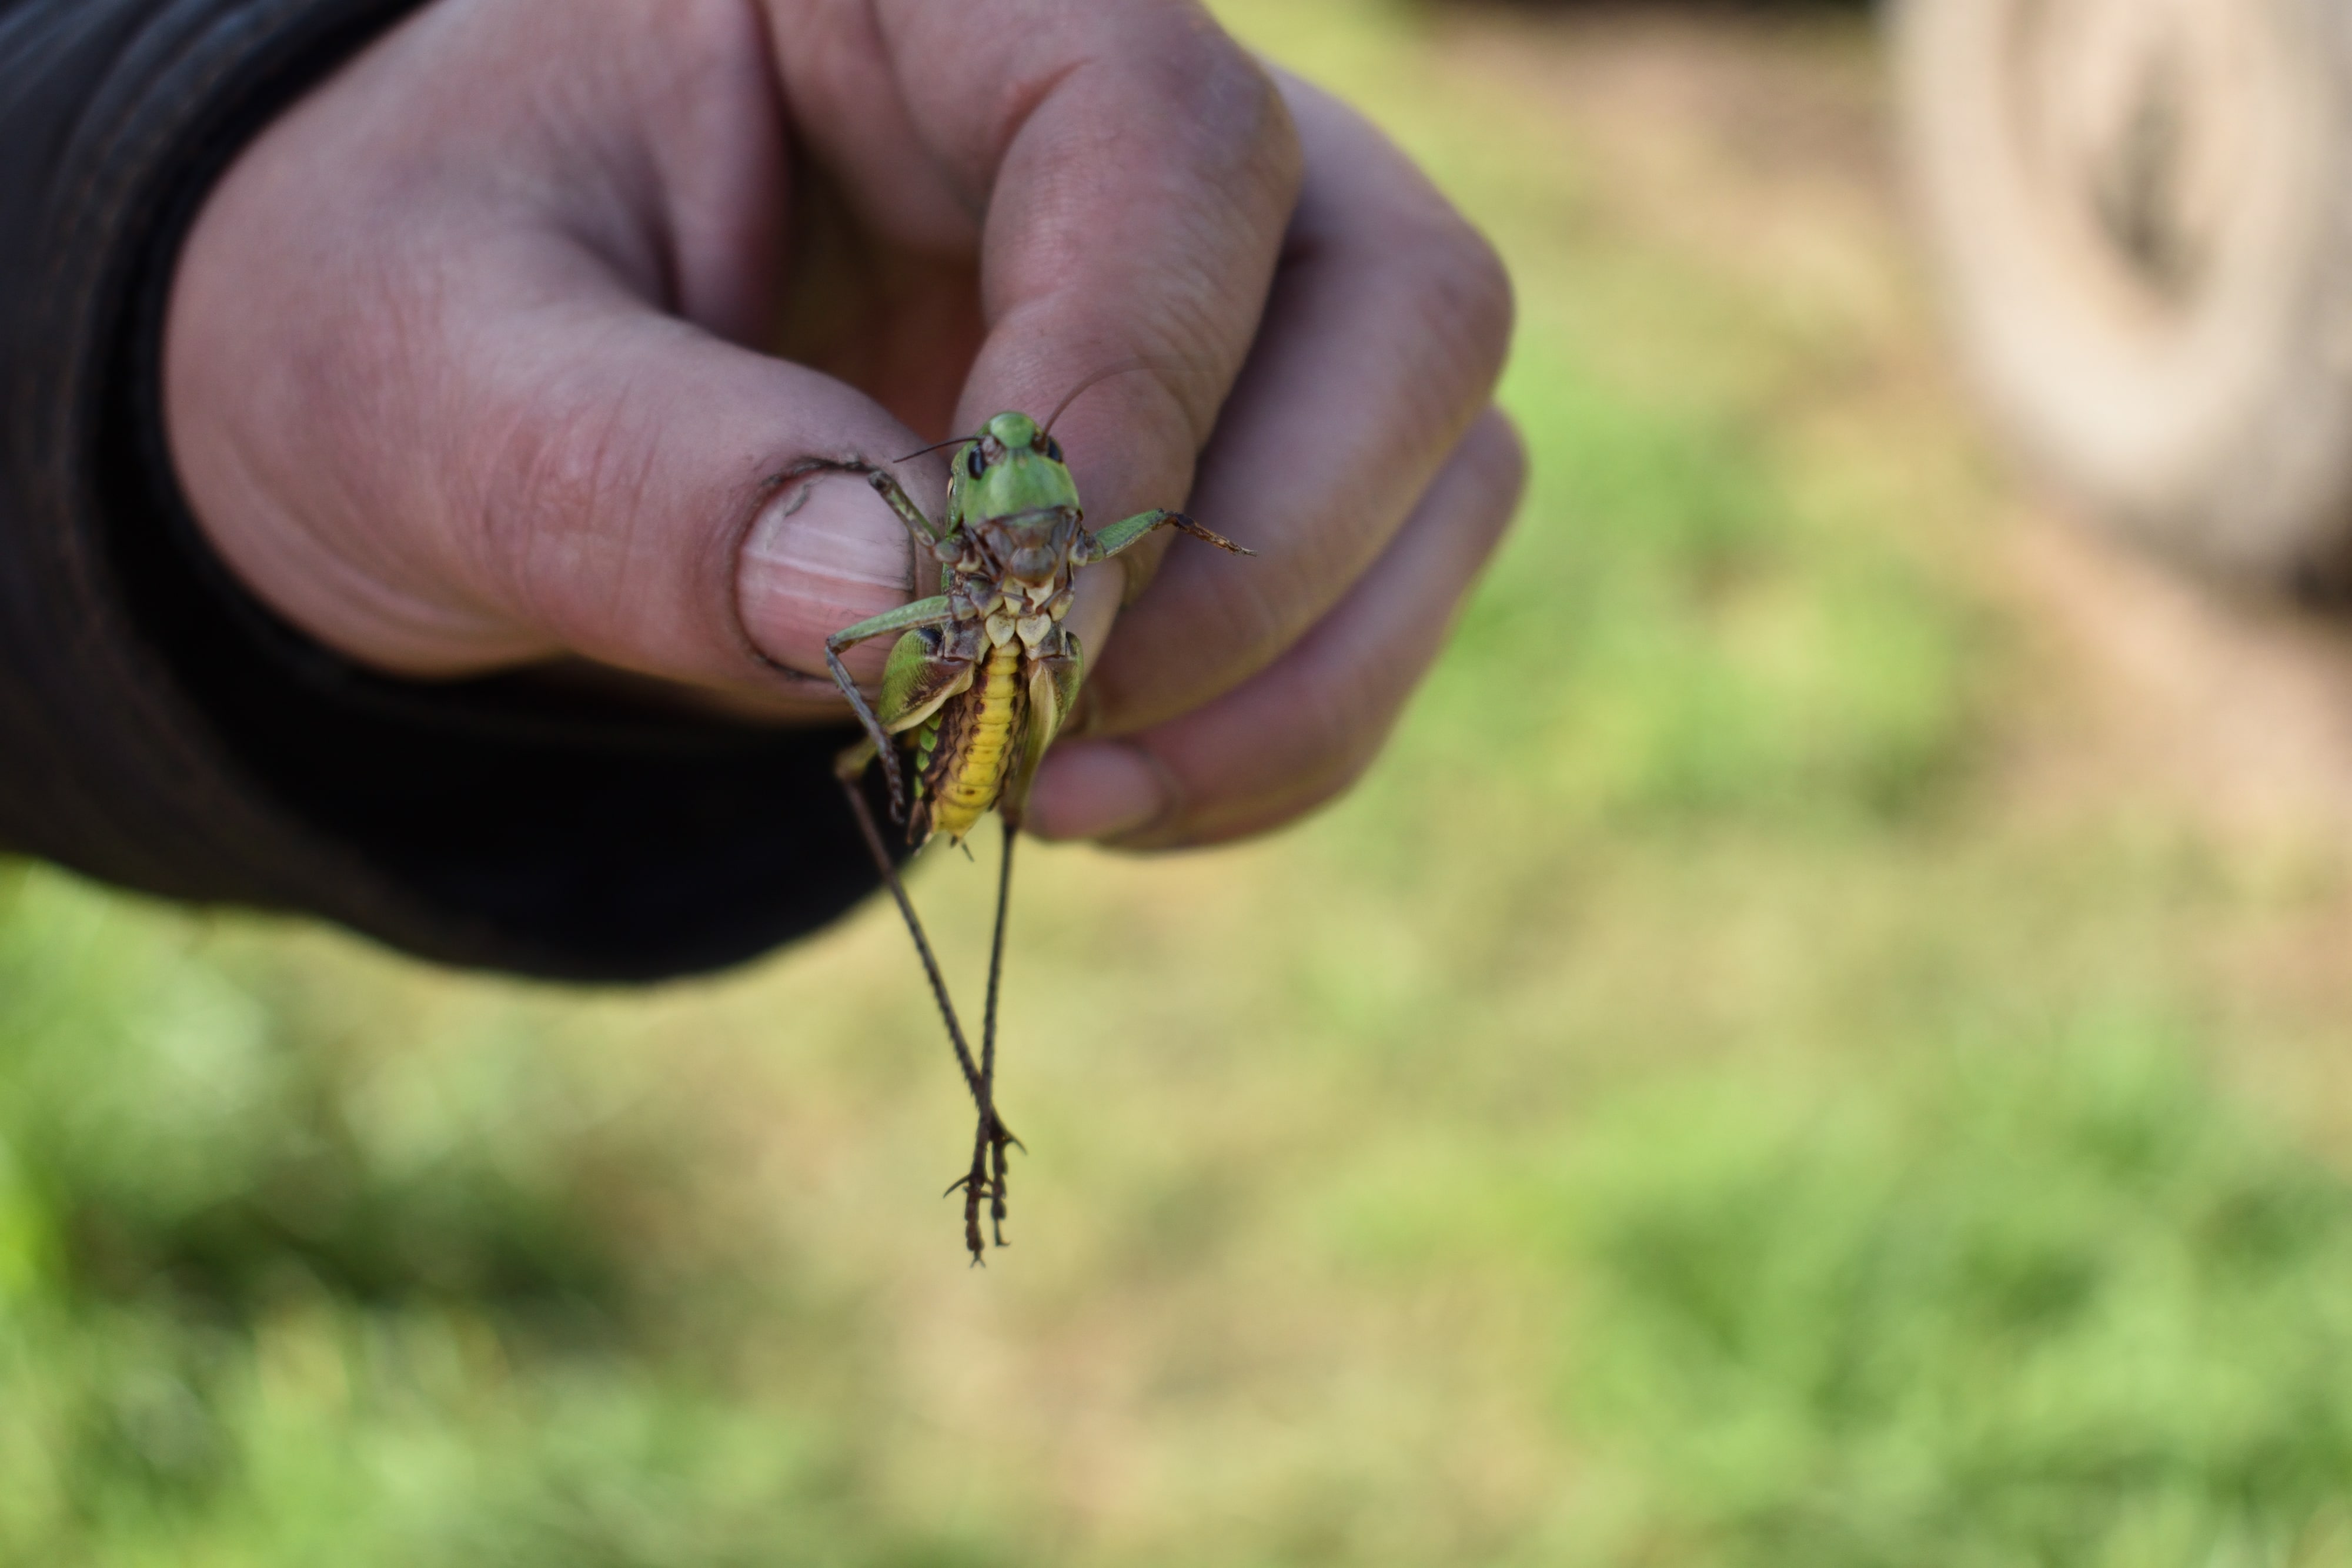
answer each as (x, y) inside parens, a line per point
(486, 353)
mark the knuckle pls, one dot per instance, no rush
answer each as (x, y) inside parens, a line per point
(1501, 454)
(1185, 71)
(1224, 822)
(1170, 75)
(1490, 302)
(1450, 298)
(1222, 118)
(1331, 786)
(1235, 107)
(561, 480)
(1231, 149)
(1470, 294)
(1337, 731)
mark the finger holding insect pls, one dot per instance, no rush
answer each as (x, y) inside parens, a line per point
(1301, 730)
(1135, 214)
(1384, 335)
(1120, 171)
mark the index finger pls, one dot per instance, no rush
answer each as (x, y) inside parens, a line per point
(1138, 169)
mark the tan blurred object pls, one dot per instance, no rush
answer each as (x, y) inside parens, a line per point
(2142, 210)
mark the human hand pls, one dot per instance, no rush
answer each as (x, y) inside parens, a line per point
(485, 352)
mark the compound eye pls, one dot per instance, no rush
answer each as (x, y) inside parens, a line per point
(1052, 448)
(974, 464)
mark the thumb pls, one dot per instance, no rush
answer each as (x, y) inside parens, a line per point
(548, 465)
(624, 477)
(427, 393)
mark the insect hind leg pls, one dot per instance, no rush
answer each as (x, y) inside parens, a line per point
(993, 1132)
(994, 1137)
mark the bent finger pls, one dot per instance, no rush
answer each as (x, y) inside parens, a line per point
(1132, 169)
(1300, 731)
(1387, 329)
(650, 513)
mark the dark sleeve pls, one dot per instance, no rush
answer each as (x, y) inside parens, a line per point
(160, 729)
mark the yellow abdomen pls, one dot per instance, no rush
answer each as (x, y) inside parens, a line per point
(975, 745)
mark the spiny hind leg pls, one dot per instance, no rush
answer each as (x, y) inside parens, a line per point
(991, 1131)
(990, 1173)
(850, 767)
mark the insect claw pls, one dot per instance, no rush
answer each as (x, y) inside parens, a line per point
(1002, 1136)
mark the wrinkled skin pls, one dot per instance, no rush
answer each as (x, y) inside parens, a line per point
(485, 354)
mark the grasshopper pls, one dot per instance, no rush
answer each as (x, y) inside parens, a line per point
(979, 682)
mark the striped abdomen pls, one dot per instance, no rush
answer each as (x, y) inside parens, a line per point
(965, 751)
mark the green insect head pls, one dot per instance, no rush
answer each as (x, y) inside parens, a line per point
(1012, 495)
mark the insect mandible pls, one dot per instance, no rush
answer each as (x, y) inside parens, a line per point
(978, 683)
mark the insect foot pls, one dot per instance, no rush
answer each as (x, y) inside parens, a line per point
(987, 1178)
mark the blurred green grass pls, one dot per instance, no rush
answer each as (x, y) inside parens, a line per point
(1690, 1106)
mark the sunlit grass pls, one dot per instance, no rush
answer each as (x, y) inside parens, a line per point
(1683, 1109)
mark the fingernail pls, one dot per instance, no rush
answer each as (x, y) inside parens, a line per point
(824, 553)
(1097, 789)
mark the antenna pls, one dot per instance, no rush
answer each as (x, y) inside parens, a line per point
(934, 447)
(1099, 376)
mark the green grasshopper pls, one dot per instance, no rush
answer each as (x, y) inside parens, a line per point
(979, 681)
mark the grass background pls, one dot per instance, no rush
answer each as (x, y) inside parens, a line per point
(1740, 1084)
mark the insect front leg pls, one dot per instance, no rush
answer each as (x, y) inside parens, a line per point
(1111, 539)
(926, 533)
